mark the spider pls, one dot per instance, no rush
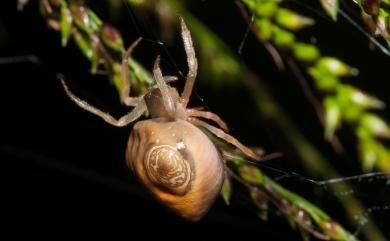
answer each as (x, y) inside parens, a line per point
(174, 160)
(163, 101)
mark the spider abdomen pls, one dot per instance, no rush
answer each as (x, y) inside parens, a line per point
(177, 163)
(166, 167)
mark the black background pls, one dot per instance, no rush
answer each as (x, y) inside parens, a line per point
(63, 170)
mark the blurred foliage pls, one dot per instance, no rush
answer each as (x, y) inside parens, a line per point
(100, 43)
(341, 102)
(215, 58)
(376, 15)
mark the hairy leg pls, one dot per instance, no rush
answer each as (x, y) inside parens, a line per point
(170, 78)
(208, 115)
(228, 138)
(191, 61)
(125, 76)
(162, 85)
(138, 110)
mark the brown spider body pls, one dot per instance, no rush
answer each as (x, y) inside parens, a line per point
(177, 163)
(174, 160)
(169, 154)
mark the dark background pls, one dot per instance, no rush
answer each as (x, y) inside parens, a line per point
(63, 170)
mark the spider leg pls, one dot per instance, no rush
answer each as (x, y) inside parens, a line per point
(162, 85)
(125, 76)
(228, 138)
(138, 110)
(208, 115)
(191, 61)
(170, 78)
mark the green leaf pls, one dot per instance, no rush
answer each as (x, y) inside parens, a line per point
(85, 19)
(116, 77)
(87, 48)
(265, 28)
(141, 75)
(66, 23)
(351, 111)
(250, 3)
(282, 38)
(306, 52)
(331, 7)
(360, 98)
(291, 20)
(368, 154)
(84, 43)
(335, 67)
(323, 81)
(375, 125)
(373, 153)
(226, 191)
(112, 38)
(96, 23)
(266, 9)
(384, 158)
(315, 213)
(251, 174)
(335, 231)
(332, 116)
(94, 59)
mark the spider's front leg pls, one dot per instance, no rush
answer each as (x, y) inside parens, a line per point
(164, 88)
(137, 112)
(208, 115)
(228, 138)
(125, 76)
(191, 61)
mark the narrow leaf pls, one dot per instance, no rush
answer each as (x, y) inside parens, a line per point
(266, 9)
(66, 23)
(368, 154)
(334, 231)
(283, 38)
(306, 52)
(112, 38)
(375, 125)
(291, 20)
(323, 81)
(336, 67)
(332, 117)
(251, 174)
(331, 7)
(85, 19)
(226, 191)
(84, 44)
(265, 28)
(367, 101)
